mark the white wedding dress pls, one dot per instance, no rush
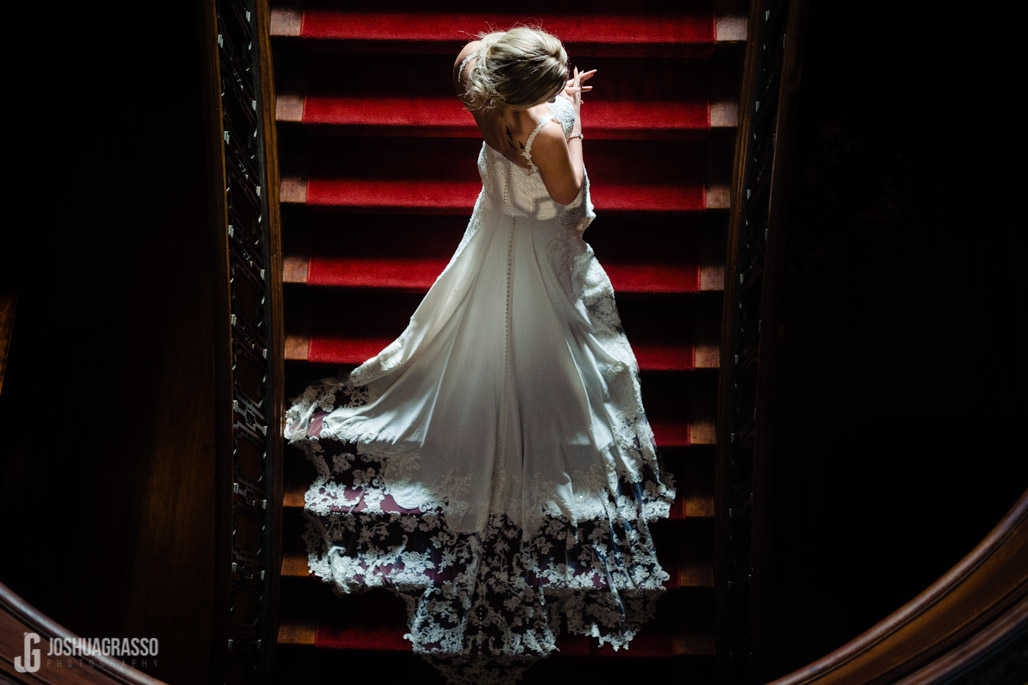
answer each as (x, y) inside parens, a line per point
(493, 465)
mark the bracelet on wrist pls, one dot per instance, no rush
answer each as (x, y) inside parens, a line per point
(575, 135)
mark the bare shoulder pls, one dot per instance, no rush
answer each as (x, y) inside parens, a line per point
(551, 156)
(549, 143)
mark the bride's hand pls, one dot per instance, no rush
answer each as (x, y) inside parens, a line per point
(574, 88)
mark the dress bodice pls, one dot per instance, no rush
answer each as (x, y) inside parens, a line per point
(520, 191)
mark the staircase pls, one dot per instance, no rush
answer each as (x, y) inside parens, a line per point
(378, 178)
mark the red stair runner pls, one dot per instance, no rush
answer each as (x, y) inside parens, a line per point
(379, 177)
(326, 349)
(574, 28)
(669, 103)
(419, 274)
(645, 645)
(446, 116)
(439, 175)
(684, 30)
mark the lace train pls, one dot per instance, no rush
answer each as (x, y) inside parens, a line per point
(493, 465)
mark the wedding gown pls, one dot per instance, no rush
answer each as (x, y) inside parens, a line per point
(493, 465)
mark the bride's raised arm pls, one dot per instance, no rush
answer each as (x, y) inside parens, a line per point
(560, 161)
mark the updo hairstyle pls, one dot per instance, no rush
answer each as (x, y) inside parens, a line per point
(517, 69)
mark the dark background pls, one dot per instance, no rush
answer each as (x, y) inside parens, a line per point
(106, 419)
(901, 409)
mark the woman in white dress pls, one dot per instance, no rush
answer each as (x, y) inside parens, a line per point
(494, 465)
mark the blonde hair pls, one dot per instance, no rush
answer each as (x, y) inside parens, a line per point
(517, 69)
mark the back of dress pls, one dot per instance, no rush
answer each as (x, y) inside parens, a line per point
(518, 191)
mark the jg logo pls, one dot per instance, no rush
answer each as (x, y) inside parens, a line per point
(29, 661)
(68, 651)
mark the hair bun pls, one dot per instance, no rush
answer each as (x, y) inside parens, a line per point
(516, 69)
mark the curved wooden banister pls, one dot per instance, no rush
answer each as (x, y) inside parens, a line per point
(965, 615)
(18, 617)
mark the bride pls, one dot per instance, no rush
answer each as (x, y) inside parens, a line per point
(493, 465)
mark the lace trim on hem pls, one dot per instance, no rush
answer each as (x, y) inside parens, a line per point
(491, 597)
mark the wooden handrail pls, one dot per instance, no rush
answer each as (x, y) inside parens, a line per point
(755, 251)
(243, 176)
(723, 475)
(964, 615)
(276, 364)
(18, 617)
(780, 196)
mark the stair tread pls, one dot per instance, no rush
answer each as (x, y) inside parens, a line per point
(460, 195)
(680, 406)
(345, 350)
(683, 433)
(446, 116)
(414, 273)
(685, 506)
(353, 94)
(645, 644)
(697, 30)
(348, 252)
(439, 175)
(294, 565)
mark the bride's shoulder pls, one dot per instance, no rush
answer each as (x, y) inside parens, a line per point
(547, 136)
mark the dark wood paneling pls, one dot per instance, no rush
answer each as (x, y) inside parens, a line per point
(900, 417)
(106, 495)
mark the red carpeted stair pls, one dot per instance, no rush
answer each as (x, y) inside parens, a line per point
(377, 160)
(427, 174)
